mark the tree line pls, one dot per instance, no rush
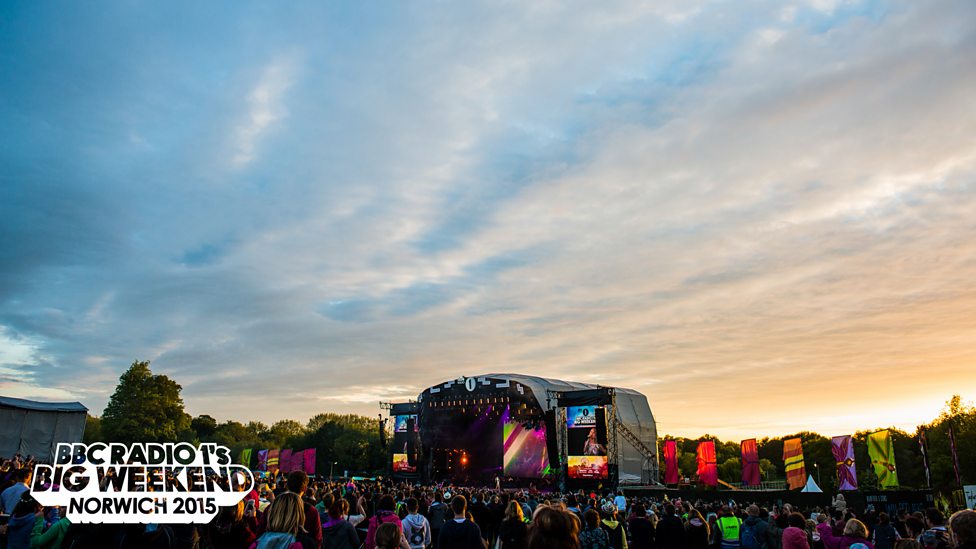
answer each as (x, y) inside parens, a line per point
(146, 407)
(819, 460)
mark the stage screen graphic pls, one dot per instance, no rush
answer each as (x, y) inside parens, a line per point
(525, 453)
(588, 467)
(587, 442)
(579, 417)
(402, 465)
(400, 423)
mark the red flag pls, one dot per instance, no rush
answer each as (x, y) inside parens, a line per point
(707, 466)
(796, 473)
(955, 456)
(750, 463)
(671, 474)
(309, 465)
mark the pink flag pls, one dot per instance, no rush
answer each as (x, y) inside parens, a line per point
(284, 461)
(750, 462)
(670, 462)
(707, 466)
(309, 465)
(298, 460)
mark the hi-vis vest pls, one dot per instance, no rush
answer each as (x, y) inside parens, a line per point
(730, 528)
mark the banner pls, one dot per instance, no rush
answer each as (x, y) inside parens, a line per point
(297, 460)
(671, 475)
(262, 460)
(882, 453)
(955, 456)
(843, 450)
(246, 457)
(923, 447)
(796, 473)
(750, 463)
(273, 461)
(309, 461)
(707, 466)
(284, 461)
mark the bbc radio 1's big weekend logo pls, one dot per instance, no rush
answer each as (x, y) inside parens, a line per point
(147, 483)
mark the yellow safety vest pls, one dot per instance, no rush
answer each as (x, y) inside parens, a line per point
(729, 527)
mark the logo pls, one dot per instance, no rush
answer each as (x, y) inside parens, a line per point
(470, 384)
(141, 483)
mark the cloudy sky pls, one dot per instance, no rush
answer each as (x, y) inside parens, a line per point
(760, 214)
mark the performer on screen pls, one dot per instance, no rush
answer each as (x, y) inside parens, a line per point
(591, 447)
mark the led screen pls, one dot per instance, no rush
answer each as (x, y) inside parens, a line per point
(595, 467)
(400, 423)
(525, 453)
(401, 464)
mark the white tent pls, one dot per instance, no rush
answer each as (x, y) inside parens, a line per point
(34, 428)
(811, 486)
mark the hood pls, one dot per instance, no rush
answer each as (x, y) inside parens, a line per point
(413, 519)
(275, 540)
(751, 520)
(21, 520)
(794, 535)
(611, 524)
(332, 524)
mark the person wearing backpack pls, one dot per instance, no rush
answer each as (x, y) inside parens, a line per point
(436, 518)
(616, 531)
(752, 533)
(593, 536)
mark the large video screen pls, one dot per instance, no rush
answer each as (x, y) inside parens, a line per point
(400, 423)
(595, 467)
(402, 465)
(525, 453)
(587, 442)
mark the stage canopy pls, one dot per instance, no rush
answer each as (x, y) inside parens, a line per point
(34, 428)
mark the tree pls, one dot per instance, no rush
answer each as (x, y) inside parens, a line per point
(93, 429)
(145, 408)
(204, 426)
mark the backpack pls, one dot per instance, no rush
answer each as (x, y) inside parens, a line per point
(748, 537)
(595, 538)
(435, 515)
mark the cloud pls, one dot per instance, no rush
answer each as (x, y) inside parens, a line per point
(761, 209)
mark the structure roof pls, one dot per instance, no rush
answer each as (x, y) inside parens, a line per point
(34, 405)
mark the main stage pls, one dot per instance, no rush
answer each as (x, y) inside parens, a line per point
(519, 429)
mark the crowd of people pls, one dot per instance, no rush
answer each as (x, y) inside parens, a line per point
(293, 512)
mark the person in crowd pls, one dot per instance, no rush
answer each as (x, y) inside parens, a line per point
(855, 536)
(297, 483)
(696, 530)
(11, 496)
(620, 502)
(714, 534)
(234, 527)
(884, 535)
(615, 529)
(385, 513)
(460, 532)
(284, 528)
(436, 515)
(908, 543)
(388, 536)
(936, 535)
(20, 525)
(337, 531)
(670, 532)
(641, 528)
(752, 532)
(416, 528)
(49, 532)
(593, 536)
(553, 529)
(513, 530)
(795, 535)
(914, 526)
(962, 529)
(730, 526)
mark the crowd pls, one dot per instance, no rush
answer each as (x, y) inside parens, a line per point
(294, 512)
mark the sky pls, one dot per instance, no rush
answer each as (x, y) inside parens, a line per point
(762, 215)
